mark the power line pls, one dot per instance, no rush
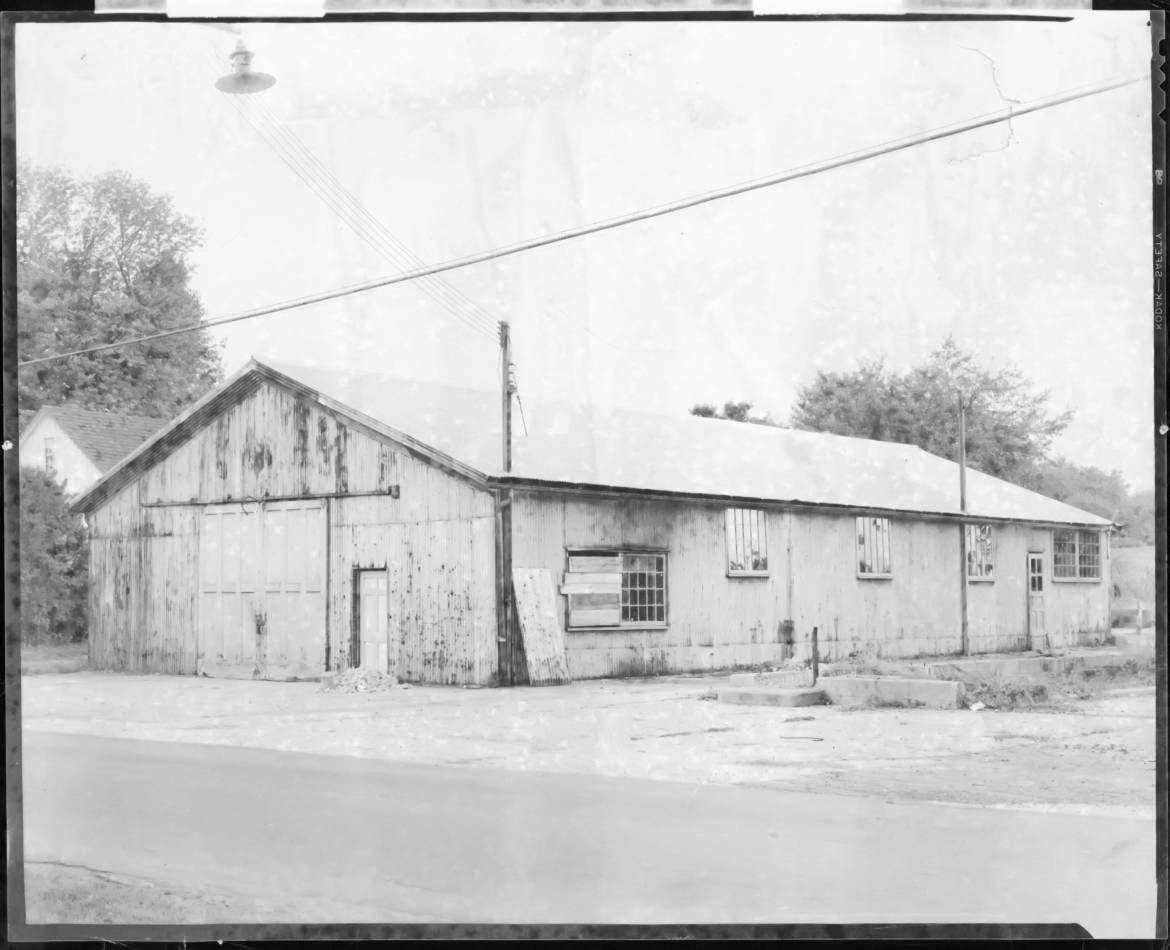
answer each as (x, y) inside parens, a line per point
(318, 179)
(318, 190)
(362, 213)
(631, 218)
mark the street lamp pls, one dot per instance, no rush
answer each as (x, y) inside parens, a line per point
(242, 81)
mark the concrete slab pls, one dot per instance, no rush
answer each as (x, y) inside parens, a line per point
(771, 696)
(1028, 665)
(1134, 644)
(782, 678)
(891, 690)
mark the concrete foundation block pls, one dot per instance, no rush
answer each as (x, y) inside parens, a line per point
(891, 690)
(1136, 644)
(771, 696)
(781, 678)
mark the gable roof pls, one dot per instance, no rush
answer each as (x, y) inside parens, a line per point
(104, 437)
(578, 444)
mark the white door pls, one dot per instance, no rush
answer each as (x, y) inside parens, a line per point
(293, 645)
(262, 590)
(1036, 634)
(373, 621)
(230, 595)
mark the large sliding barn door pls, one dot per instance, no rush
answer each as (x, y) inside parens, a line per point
(294, 589)
(262, 590)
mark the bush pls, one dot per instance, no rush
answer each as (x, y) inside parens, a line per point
(54, 565)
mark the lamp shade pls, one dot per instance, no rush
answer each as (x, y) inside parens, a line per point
(242, 81)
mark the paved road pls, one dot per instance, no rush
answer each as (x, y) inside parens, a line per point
(365, 840)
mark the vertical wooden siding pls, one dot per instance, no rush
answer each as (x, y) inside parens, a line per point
(143, 590)
(715, 621)
(439, 553)
(436, 540)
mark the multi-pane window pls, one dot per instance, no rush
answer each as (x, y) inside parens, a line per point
(643, 588)
(615, 588)
(50, 456)
(980, 552)
(873, 547)
(1076, 555)
(747, 541)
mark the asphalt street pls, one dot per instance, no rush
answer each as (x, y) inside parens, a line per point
(365, 840)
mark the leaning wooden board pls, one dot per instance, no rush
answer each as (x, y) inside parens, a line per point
(536, 609)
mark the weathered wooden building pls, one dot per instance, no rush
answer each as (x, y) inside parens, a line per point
(295, 521)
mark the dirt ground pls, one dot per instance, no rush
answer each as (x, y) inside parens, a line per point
(1094, 755)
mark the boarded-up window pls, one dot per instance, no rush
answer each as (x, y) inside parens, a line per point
(593, 585)
(747, 542)
(1076, 555)
(615, 588)
(873, 547)
(980, 552)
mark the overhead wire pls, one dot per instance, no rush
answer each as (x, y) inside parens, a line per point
(333, 194)
(620, 221)
(330, 190)
(401, 251)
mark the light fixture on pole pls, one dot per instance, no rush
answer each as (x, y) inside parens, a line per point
(242, 80)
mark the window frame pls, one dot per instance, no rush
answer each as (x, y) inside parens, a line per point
(49, 445)
(1078, 535)
(857, 548)
(971, 528)
(732, 538)
(621, 553)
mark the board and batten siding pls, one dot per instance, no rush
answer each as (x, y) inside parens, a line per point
(438, 549)
(435, 539)
(713, 621)
(143, 586)
(716, 622)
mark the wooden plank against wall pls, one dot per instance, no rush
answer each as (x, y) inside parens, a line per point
(536, 613)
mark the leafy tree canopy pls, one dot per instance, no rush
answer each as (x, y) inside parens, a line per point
(1103, 493)
(53, 565)
(1009, 424)
(1009, 428)
(102, 260)
(735, 411)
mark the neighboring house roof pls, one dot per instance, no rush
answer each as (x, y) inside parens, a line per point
(583, 445)
(104, 437)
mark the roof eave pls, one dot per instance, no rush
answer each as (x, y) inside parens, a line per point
(581, 488)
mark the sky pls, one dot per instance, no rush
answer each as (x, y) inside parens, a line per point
(1028, 243)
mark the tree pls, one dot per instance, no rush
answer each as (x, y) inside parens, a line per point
(1009, 425)
(98, 261)
(53, 565)
(734, 411)
(1103, 493)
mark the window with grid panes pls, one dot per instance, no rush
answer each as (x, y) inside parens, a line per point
(615, 589)
(643, 588)
(1076, 555)
(873, 547)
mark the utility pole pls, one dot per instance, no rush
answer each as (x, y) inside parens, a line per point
(506, 392)
(966, 641)
(504, 517)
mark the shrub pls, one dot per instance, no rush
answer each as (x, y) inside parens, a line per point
(53, 563)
